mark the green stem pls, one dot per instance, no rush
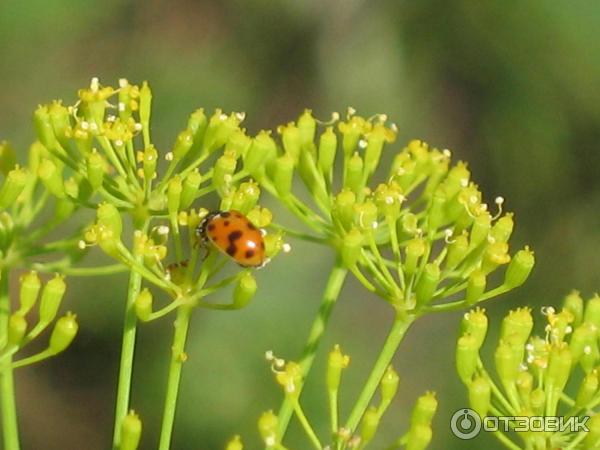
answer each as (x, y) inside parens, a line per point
(177, 358)
(127, 352)
(401, 324)
(330, 295)
(10, 428)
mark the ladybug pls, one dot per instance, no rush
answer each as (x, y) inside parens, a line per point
(233, 234)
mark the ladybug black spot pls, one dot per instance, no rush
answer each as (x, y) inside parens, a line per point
(251, 226)
(211, 227)
(234, 235)
(249, 253)
(225, 214)
(226, 223)
(231, 250)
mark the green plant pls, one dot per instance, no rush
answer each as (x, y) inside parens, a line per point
(422, 238)
(553, 375)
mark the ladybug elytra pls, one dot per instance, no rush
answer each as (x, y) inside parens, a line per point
(234, 235)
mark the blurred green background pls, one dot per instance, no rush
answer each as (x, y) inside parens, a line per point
(513, 87)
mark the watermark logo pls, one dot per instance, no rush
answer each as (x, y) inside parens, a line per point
(466, 424)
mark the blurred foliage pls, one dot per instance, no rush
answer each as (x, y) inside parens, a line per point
(510, 87)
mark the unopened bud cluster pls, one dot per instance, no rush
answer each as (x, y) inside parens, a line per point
(419, 236)
(45, 299)
(288, 376)
(552, 374)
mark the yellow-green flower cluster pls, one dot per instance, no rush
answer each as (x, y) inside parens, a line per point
(551, 375)
(422, 235)
(47, 297)
(288, 375)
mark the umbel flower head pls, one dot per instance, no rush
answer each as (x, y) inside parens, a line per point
(288, 376)
(420, 236)
(103, 143)
(552, 375)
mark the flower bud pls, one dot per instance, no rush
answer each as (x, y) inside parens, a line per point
(524, 386)
(244, 290)
(239, 143)
(12, 187)
(52, 295)
(43, 126)
(63, 333)
(583, 340)
(353, 178)
(336, 362)
(475, 287)
(174, 189)
(495, 255)
(8, 158)
(507, 363)
(458, 177)
(351, 131)
(480, 393)
(592, 311)
(290, 136)
(592, 438)
(574, 303)
(351, 247)
(436, 215)
(517, 324)
(457, 251)
(51, 176)
(389, 384)
(108, 217)
(376, 138)
(519, 268)
(327, 150)
(262, 151)
(538, 401)
(131, 431)
(197, 124)
(467, 353)
(343, 208)
(503, 228)
(290, 379)
(108, 242)
(223, 172)
(424, 410)
(419, 437)
(220, 128)
(190, 186)
(273, 244)
(480, 229)
(149, 161)
(475, 323)
(59, 118)
(235, 443)
(559, 367)
(267, 426)
(145, 103)
(245, 199)
(183, 144)
(307, 126)
(415, 249)
(283, 174)
(30, 285)
(365, 215)
(143, 305)
(587, 389)
(369, 424)
(260, 217)
(427, 284)
(17, 327)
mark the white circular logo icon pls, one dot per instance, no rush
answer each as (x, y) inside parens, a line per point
(465, 424)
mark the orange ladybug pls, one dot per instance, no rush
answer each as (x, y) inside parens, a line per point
(233, 234)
